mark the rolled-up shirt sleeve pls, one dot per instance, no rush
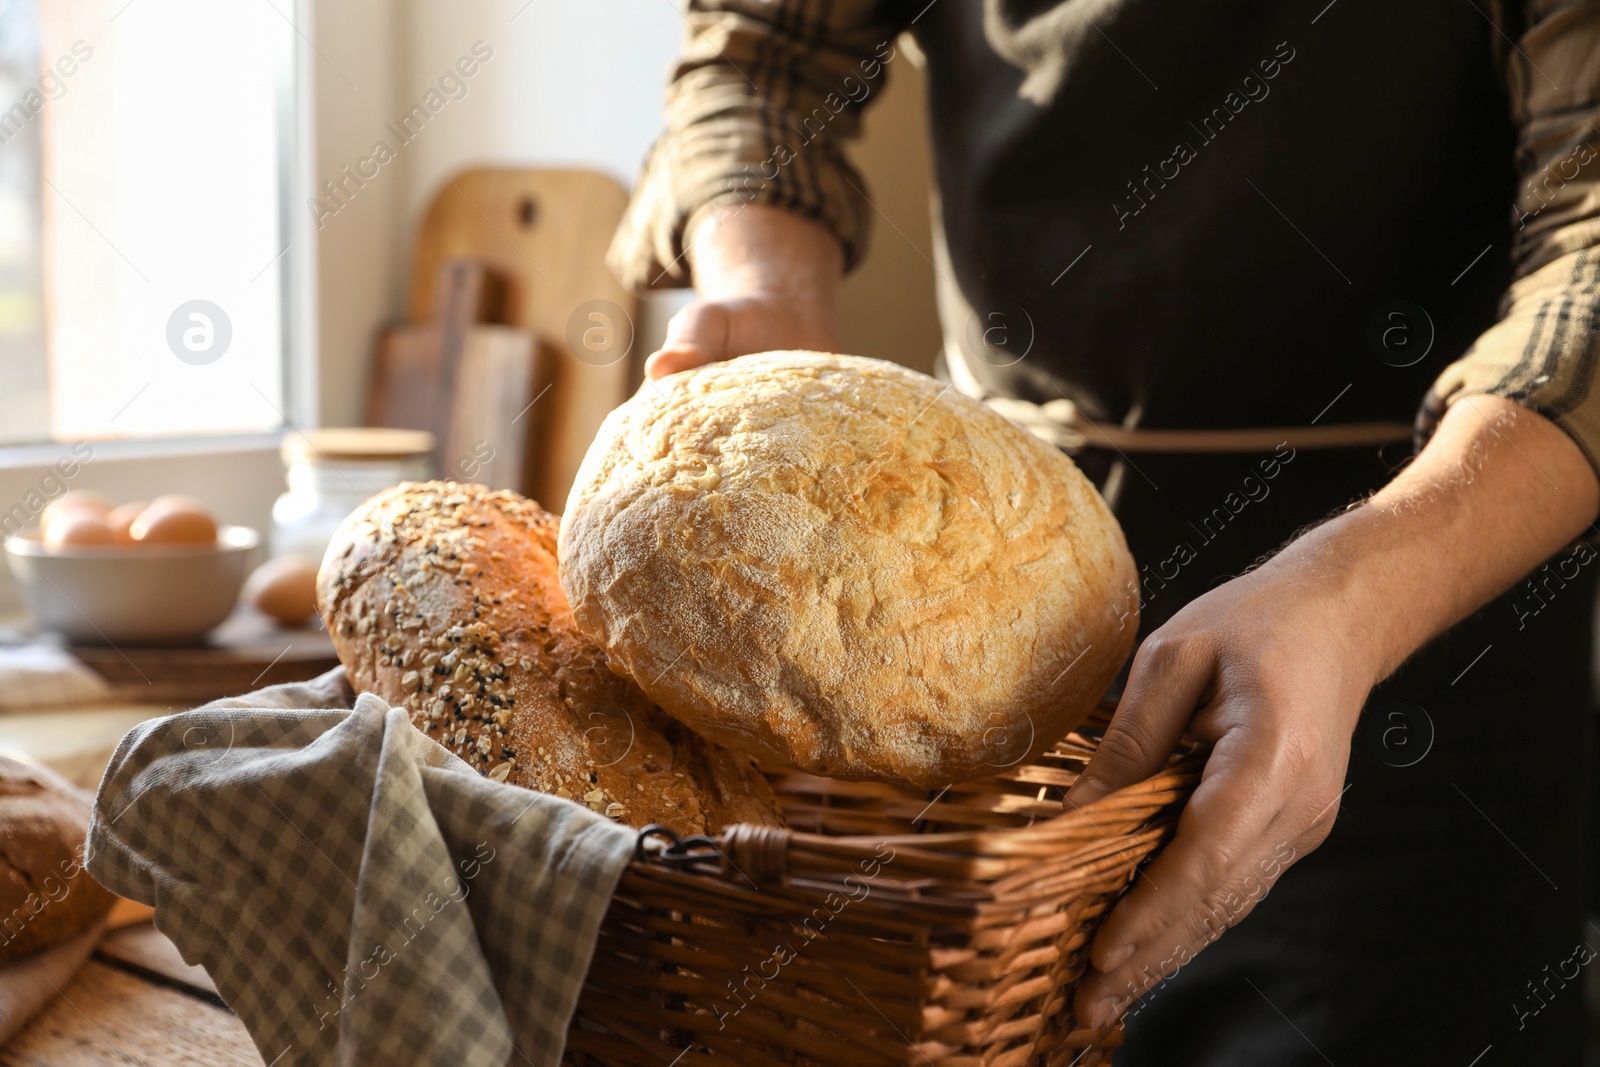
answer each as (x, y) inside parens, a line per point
(1544, 350)
(757, 110)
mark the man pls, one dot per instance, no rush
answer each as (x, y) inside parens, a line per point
(1282, 226)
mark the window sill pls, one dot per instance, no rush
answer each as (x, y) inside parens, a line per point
(27, 457)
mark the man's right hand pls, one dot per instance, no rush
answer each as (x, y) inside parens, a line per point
(767, 280)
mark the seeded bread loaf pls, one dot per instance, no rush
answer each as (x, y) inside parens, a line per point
(443, 599)
(842, 565)
(45, 894)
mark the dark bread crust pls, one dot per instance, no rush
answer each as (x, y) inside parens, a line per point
(45, 894)
(443, 599)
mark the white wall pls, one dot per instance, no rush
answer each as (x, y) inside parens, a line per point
(360, 266)
(570, 84)
(567, 85)
(581, 85)
(886, 308)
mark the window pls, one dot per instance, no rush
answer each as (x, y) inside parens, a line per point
(144, 230)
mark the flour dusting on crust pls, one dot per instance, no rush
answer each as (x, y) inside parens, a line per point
(844, 565)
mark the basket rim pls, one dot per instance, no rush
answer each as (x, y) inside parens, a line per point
(986, 855)
(1150, 792)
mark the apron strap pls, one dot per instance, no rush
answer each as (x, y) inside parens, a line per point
(1063, 425)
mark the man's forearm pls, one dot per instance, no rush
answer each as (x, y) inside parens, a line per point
(767, 279)
(1272, 669)
(764, 250)
(1498, 489)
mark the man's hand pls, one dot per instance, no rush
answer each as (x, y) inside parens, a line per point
(1273, 668)
(767, 280)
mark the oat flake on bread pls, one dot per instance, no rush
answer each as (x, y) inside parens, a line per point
(842, 565)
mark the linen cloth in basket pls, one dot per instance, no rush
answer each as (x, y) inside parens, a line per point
(358, 894)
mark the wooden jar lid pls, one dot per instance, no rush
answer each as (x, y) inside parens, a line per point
(355, 444)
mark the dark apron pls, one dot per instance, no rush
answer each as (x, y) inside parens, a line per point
(1249, 278)
(1444, 914)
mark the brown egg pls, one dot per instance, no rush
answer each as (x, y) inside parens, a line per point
(75, 500)
(171, 520)
(121, 520)
(77, 528)
(284, 589)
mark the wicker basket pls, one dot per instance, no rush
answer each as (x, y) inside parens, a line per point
(883, 927)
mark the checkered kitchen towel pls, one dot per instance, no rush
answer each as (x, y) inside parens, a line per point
(359, 894)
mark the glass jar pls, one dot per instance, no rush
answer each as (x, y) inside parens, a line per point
(332, 472)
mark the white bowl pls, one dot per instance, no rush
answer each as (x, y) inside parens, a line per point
(134, 594)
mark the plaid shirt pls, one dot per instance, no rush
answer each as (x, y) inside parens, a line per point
(760, 78)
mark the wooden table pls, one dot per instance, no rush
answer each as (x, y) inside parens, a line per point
(135, 1002)
(246, 653)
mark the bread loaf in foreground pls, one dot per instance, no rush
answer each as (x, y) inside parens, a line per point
(843, 565)
(45, 894)
(443, 599)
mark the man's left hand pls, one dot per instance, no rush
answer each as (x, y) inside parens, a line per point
(1273, 667)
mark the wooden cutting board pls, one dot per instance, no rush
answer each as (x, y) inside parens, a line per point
(246, 653)
(494, 429)
(418, 364)
(547, 232)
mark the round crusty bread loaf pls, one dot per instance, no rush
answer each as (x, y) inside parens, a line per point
(443, 599)
(45, 894)
(843, 565)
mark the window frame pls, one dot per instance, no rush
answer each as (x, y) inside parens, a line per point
(295, 89)
(231, 460)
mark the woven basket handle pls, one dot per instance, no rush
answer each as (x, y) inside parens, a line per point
(759, 853)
